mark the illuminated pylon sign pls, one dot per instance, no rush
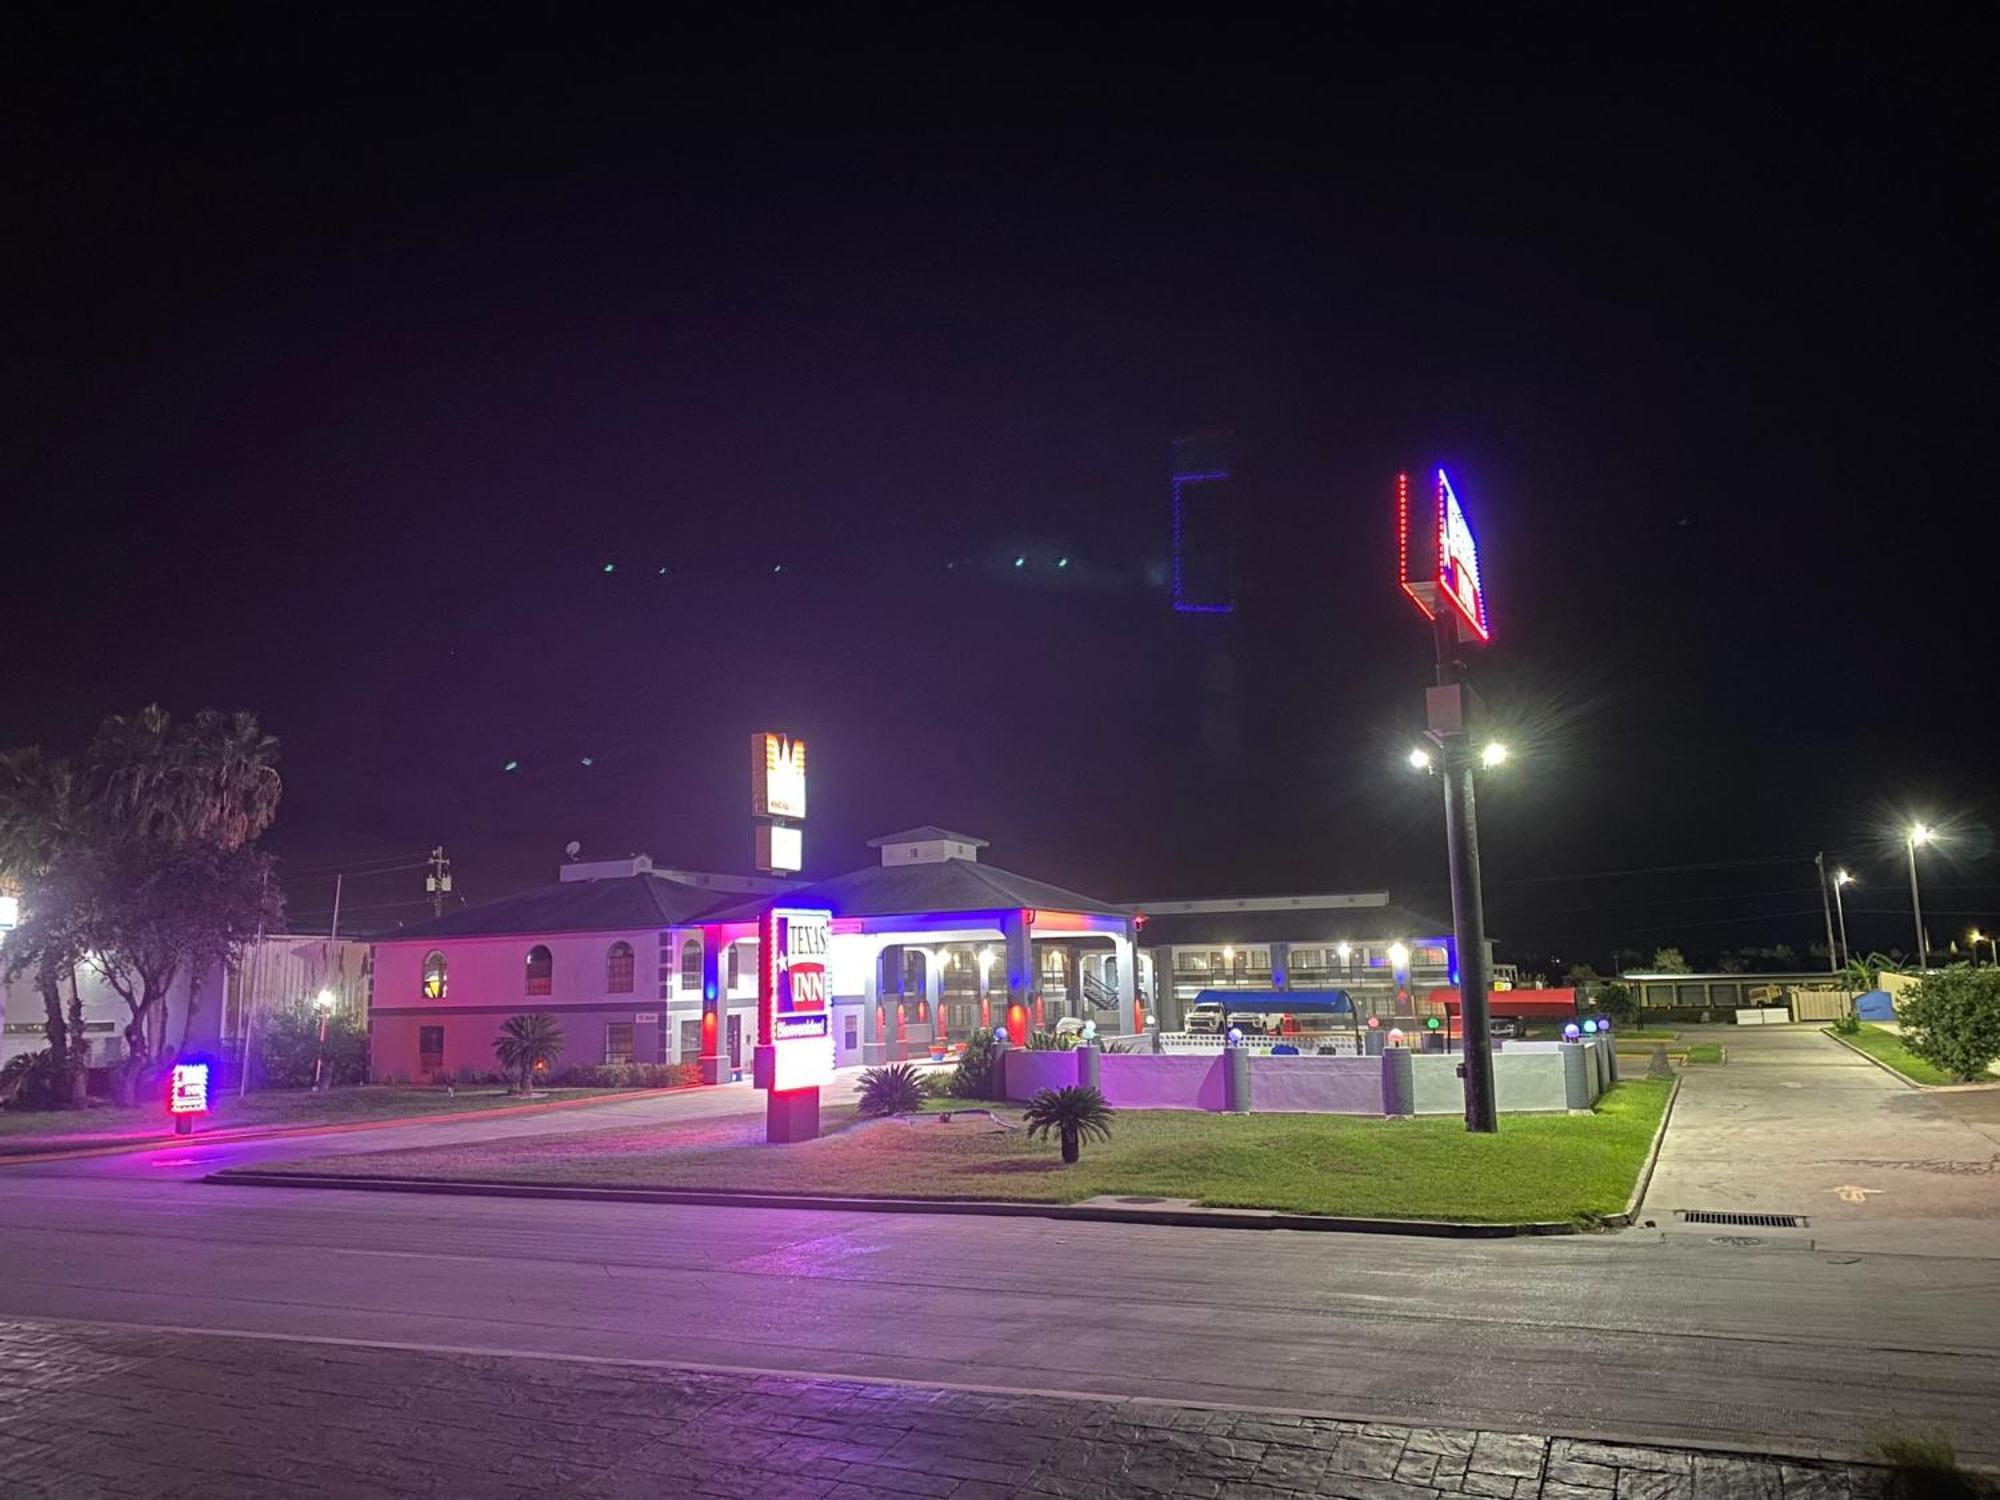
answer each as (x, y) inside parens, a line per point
(1445, 566)
(794, 1054)
(777, 776)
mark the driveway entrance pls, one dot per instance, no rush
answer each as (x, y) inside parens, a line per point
(1795, 1123)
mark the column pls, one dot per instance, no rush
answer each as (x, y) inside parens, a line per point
(1017, 938)
(1127, 954)
(1281, 966)
(934, 988)
(874, 1043)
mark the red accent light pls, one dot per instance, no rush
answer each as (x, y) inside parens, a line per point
(1017, 1024)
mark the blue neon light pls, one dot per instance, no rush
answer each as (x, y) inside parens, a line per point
(1181, 603)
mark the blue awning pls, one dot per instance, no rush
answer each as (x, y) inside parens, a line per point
(1280, 1002)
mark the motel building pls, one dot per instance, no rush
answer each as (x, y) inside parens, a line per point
(647, 965)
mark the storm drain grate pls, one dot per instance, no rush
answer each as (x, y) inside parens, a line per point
(1742, 1221)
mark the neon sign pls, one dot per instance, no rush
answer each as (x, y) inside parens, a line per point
(1455, 573)
(794, 1029)
(777, 776)
(187, 1089)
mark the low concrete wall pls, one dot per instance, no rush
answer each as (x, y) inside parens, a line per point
(1316, 1085)
(1521, 1081)
(1186, 1082)
(1028, 1073)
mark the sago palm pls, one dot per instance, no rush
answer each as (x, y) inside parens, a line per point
(527, 1042)
(1071, 1115)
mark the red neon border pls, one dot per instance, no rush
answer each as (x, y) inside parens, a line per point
(1403, 579)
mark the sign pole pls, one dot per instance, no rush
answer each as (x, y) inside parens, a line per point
(1468, 909)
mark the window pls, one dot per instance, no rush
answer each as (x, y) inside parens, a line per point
(735, 969)
(430, 1049)
(690, 1041)
(691, 966)
(541, 970)
(434, 976)
(618, 1042)
(850, 1027)
(1187, 961)
(618, 969)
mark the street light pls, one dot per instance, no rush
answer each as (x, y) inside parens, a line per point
(1841, 878)
(1973, 939)
(1919, 834)
(1420, 759)
(325, 1000)
(1495, 754)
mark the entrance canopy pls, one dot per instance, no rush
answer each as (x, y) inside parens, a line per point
(1280, 1002)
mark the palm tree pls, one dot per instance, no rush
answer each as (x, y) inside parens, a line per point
(528, 1042)
(38, 824)
(1070, 1114)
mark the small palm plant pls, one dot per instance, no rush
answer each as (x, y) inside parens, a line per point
(527, 1043)
(891, 1091)
(1069, 1114)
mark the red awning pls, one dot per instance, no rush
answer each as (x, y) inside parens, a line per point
(1522, 1004)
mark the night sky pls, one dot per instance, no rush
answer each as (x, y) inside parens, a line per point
(368, 376)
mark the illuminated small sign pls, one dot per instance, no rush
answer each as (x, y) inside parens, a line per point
(777, 776)
(780, 848)
(793, 1000)
(187, 1089)
(1445, 566)
(10, 912)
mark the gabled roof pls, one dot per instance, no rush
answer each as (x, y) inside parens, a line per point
(954, 885)
(929, 833)
(1374, 924)
(617, 904)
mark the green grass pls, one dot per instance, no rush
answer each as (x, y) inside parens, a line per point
(24, 1131)
(1645, 1035)
(1574, 1168)
(1705, 1052)
(1886, 1047)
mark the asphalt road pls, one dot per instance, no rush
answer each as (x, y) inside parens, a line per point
(1776, 1344)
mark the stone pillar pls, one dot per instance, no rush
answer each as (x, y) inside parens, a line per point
(1399, 1086)
(714, 1012)
(1127, 953)
(1236, 1080)
(874, 1046)
(934, 989)
(1090, 1067)
(1576, 1076)
(1019, 961)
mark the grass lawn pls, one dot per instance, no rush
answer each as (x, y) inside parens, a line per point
(1705, 1052)
(23, 1131)
(1538, 1167)
(1887, 1047)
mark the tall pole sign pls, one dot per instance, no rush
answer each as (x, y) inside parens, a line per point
(794, 1056)
(778, 800)
(1437, 566)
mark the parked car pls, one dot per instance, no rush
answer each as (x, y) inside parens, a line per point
(1207, 1016)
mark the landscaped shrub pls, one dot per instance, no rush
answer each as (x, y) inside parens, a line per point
(32, 1080)
(935, 1085)
(627, 1076)
(1952, 1019)
(973, 1077)
(528, 1044)
(893, 1090)
(289, 1043)
(1847, 1026)
(1070, 1114)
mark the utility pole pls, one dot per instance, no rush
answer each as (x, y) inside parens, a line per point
(1826, 910)
(1449, 710)
(438, 881)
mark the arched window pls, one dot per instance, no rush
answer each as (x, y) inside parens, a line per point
(434, 975)
(541, 970)
(735, 964)
(618, 969)
(691, 965)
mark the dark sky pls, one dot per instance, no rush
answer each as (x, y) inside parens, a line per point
(341, 361)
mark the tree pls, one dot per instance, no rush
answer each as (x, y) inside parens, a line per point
(1670, 961)
(37, 817)
(973, 1077)
(527, 1043)
(1616, 1001)
(1070, 1114)
(1951, 1017)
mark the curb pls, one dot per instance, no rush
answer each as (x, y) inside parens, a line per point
(1626, 1219)
(232, 1136)
(1099, 1213)
(1903, 1078)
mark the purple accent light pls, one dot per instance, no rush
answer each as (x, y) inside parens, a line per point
(1181, 603)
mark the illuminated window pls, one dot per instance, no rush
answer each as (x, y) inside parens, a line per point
(691, 966)
(430, 1049)
(618, 969)
(735, 964)
(541, 970)
(434, 976)
(618, 1042)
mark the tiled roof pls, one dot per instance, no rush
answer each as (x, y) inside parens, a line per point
(927, 834)
(953, 885)
(621, 903)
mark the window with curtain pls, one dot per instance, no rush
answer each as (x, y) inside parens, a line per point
(434, 976)
(618, 969)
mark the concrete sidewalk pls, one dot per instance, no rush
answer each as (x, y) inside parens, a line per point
(1797, 1124)
(87, 1410)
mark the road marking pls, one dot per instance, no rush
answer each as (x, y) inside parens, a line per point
(1848, 1193)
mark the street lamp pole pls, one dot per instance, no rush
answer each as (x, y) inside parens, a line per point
(1450, 728)
(1841, 878)
(1826, 911)
(1919, 834)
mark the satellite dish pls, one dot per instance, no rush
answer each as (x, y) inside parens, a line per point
(573, 848)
